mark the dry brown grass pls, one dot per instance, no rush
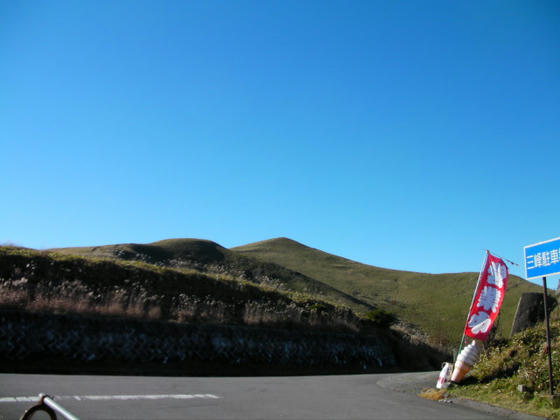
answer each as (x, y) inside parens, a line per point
(76, 298)
(19, 299)
(433, 394)
(47, 282)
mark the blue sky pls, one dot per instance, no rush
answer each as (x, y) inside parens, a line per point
(410, 135)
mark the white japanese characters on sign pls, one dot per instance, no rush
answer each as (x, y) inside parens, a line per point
(543, 259)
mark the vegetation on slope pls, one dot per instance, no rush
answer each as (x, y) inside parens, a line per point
(57, 286)
(506, 364)
(436, 303)
(54, 282)
(209, 257)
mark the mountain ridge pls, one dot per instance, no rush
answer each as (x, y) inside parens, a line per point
(210, 257)
(435, 303)
(291, 242)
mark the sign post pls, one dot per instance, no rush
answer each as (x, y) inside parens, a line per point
(541, 260)
(548, 349)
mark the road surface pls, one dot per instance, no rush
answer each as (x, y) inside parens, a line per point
(379, 396)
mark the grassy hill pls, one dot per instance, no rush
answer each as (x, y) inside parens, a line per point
(59, 283)
(436, 303)
(209, 257)
(72, 310)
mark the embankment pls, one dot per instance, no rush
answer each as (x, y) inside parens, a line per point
(35, 342)
(70, 314)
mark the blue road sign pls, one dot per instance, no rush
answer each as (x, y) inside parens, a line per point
(542, 259)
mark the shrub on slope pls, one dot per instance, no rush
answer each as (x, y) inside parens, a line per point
(522, 359)
(507, 364)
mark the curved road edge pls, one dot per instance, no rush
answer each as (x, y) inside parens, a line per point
(415, 382)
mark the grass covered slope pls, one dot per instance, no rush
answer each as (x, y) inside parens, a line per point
(436, 303)
(522, 360)
(53, 282)
(209, 257)
(48, 300)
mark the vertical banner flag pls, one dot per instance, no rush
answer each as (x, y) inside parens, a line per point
(488, 298)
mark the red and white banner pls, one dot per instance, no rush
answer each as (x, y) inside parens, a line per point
(488, 299)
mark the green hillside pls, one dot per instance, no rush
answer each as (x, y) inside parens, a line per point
(436, 303)
(128, 315)
(52, 282)
(209, 257)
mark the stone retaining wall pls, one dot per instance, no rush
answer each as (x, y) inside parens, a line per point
(80, 343)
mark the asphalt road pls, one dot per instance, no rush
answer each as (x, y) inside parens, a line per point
(380, 396)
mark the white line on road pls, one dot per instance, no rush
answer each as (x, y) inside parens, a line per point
(113, 397)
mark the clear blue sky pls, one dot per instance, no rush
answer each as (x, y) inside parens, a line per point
(411, 135)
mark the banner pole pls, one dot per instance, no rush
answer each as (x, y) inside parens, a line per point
(472, 303)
